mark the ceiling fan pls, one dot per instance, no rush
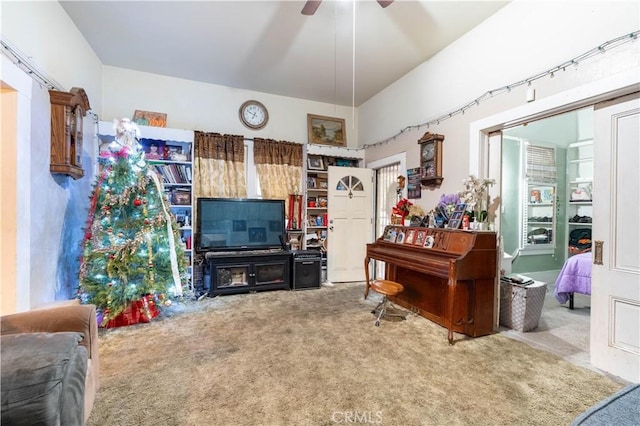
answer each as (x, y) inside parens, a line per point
(311, 6)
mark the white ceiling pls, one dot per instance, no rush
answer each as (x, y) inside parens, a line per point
(270, 47)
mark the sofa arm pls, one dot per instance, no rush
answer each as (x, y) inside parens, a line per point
(79, 318)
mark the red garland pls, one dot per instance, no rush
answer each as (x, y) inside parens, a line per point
(92, 209)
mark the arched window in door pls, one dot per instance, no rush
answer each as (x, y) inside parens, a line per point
(349, 183)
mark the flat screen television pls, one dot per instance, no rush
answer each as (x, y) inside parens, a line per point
(239, 224)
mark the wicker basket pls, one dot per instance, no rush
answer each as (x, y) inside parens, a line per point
(521, 307)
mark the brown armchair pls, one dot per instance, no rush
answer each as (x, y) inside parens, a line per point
(71, 317)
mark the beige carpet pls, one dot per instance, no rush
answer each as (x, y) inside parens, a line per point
(315, 357)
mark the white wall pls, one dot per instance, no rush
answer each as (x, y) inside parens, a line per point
(212, 108)
(43, 31)
(520, 41)
(51, 209)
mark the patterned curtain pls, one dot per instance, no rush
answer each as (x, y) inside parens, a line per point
(279, 168)
(219, 166)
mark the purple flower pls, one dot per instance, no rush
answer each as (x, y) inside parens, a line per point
(447, 200)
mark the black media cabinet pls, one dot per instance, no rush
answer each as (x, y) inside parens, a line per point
(248, 271)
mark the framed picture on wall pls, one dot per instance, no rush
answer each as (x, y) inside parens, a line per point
(326, 130)
(148, 118)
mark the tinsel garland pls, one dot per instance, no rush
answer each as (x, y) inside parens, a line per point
(172, 244)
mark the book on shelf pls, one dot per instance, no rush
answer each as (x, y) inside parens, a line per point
(174, 173)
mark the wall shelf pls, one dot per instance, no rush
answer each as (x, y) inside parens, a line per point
(579, 183)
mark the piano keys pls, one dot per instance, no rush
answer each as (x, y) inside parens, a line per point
(449, 275)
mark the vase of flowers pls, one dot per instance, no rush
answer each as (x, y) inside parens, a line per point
(476, 195)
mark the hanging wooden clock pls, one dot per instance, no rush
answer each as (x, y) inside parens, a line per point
(67, 114)
(431, 159)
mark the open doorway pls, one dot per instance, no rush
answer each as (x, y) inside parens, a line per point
(546, 164)
(485, 160)
(386, 172)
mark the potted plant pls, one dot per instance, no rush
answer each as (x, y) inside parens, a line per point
(401, 209)
(476, 195)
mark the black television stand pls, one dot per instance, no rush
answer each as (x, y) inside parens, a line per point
(235, 272)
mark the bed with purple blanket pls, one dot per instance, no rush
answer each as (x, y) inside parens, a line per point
(575, 277)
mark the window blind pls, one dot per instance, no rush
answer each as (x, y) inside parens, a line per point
(541, 164)
(386, 198)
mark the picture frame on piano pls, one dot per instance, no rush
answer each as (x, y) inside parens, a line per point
(456, 217)
(428, 241)
(400, 237)
(456, 220)
(389, 234)
(411, 234)
(461, 207)
(386, 233)
(420, 236)
(454, 224)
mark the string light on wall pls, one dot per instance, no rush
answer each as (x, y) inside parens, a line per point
(604, 47)
(24, 63)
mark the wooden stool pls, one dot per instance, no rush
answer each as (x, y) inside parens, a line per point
(386, 288)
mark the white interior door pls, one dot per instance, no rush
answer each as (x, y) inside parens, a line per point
(615, 289)
(350, 217)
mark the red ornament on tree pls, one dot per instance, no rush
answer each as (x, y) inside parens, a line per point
(137, 202)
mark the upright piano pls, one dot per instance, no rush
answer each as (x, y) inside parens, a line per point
(449, 275)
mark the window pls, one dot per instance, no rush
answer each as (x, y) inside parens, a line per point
(539, 199)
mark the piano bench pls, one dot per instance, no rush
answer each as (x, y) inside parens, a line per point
(386, 288)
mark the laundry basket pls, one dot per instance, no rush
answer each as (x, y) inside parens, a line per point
(521, 306)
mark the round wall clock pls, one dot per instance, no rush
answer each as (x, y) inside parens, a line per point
(254, 114)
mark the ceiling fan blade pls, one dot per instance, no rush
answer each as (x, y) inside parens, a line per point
(385, 3)
(311, 6)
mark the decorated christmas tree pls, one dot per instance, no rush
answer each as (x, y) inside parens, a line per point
(132, 258)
